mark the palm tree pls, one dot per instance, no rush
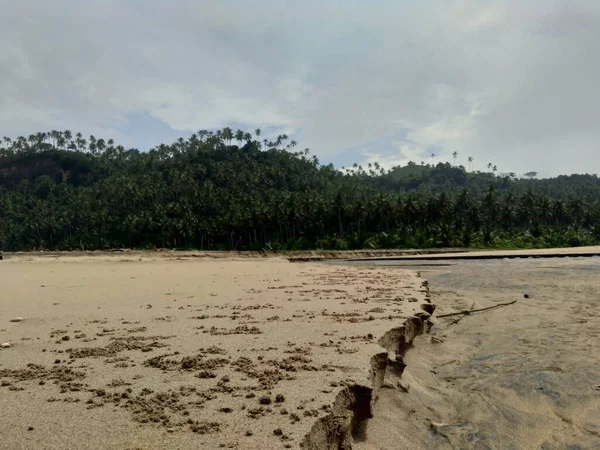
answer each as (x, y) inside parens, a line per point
(454, 155)
(100, 145)
(54, 136)
(239, 137)
(92, 146)
(81, 142)
(470, 163)
(227, 134)
(576, 209)
(489, 166)
(433, 159)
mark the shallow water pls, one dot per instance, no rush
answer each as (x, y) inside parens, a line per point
(516, 377)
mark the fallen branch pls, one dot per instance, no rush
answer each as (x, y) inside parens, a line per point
(466, 312)
(455, 321)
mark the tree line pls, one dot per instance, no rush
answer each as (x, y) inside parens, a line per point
(222, 190)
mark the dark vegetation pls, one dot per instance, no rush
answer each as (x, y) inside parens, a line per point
(228, 190)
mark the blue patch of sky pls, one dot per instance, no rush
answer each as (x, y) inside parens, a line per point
(143, 132)
(432, 150)
(386, 146)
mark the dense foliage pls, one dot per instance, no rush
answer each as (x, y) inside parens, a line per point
(232, 190)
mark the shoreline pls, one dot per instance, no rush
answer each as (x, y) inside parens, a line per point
(310, 255)
(292, 255)
(576, 252)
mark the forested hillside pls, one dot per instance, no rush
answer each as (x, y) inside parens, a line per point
(235, 190)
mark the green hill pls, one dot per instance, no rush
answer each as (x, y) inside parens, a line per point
(229, 190)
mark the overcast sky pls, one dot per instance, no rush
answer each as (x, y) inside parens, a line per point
(514, 83)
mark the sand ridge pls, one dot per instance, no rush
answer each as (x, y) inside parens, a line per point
(116, 352)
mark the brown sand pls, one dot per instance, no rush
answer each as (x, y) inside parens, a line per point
(144, 352)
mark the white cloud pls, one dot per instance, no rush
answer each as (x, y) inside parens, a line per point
(511, 82)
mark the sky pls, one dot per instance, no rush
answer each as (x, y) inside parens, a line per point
(513, 83)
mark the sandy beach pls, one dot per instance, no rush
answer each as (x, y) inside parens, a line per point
(143, 352)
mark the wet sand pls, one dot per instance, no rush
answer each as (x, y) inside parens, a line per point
(464, 255)
(145, 352)
(524, 376)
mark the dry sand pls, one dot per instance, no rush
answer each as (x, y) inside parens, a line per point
(145, 352)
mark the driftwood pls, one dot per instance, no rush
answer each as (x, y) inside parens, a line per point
(457, 319)
(466, 312)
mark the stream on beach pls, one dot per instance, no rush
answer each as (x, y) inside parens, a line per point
(524, 376)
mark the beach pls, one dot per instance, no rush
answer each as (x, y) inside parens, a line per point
(134, 351)
(521, 376)
(143, 350)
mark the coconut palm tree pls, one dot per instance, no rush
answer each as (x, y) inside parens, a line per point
(239, 137)
(227, 134)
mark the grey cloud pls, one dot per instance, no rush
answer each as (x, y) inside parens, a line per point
(512, 83)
